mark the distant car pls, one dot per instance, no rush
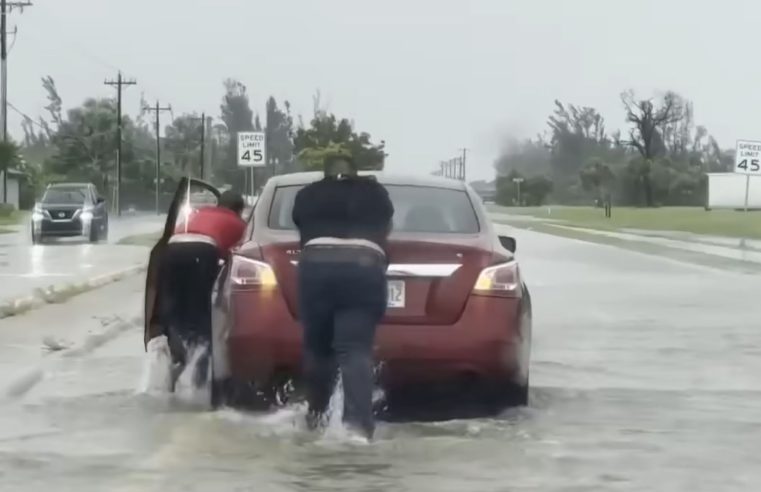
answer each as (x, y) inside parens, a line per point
(70, 210)
(459, 313)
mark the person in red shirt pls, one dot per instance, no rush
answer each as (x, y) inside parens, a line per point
(187, 274)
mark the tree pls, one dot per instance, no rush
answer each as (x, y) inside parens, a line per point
(535, 190)
(326, 135)
(279, 137)
(85, 147)
(531, 191)
(237, 116)
(577, 134)
(529, 157)
(507, 190)
(649, 121)
(182, 142)
(597, 177)
(55, 104)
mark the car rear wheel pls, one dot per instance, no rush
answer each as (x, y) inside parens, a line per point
(519, 391)
(240, 394)
(517, 395)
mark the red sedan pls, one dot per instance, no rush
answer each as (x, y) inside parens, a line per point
(459, 312)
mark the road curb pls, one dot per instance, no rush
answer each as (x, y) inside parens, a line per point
(62, 292)
(31, 377)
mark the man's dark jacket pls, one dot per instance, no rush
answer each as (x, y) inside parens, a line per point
(346, 208)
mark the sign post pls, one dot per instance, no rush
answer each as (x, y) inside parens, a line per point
(748, 162)
(252, 153)
(518, 182)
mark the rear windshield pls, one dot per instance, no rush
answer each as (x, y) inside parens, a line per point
(416, 209)
(64, 196)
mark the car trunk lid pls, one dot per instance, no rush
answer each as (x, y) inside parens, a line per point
(430, 280)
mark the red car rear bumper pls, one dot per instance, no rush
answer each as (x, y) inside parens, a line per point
(485, 342)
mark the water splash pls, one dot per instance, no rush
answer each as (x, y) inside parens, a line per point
(186, 390)
(158, 375)
(335, 428)
(157, 368)
(336, 433)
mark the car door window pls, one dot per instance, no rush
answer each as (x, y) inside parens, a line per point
(191, 194)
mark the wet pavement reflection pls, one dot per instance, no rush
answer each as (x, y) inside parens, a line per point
(25, 267)
(644, 377)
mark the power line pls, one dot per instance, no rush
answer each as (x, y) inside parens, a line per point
(26, 116)
(119, 83)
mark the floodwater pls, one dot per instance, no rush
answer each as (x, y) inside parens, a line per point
(645, 377)
(25, 268)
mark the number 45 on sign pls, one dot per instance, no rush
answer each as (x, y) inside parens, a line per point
(753, 166)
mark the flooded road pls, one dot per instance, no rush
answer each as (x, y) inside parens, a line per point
(645, 377)
(25, 267)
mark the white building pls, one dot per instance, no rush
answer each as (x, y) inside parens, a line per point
(13, 188)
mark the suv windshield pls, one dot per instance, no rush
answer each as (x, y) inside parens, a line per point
(416, 209)
(62, 195)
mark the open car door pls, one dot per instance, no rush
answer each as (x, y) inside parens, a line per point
(191, 194)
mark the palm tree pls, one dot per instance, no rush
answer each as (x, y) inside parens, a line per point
(9, 157)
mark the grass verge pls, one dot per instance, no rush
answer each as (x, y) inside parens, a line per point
(693, 257)
(694, 220)
(15, 217)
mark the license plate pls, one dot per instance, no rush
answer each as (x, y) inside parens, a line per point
(396, 294)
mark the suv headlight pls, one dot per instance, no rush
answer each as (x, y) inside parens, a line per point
(84, 213)
(38, 213)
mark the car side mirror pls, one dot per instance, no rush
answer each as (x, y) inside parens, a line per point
(508, 243)
(101, 200)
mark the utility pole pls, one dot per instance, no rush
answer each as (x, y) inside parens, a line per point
(119, 83)
(5, 8)
(464, 160)
(158, 109)
(203, 143)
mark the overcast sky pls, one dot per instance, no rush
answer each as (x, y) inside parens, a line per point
(427, 76)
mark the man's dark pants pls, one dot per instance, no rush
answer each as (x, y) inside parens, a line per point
(187, 275)
(342, 297)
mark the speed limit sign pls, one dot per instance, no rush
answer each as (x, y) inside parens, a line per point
(251, 149)
(748, 157)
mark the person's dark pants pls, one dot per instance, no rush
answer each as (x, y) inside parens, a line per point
(186, 278)
(342, 297)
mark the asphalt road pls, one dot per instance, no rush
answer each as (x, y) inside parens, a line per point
(25, 267)
(645, 377)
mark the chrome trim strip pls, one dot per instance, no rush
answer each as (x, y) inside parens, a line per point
(422, 270)
(334, 241)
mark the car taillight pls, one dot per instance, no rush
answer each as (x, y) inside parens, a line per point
(246, 272)
(499, 280)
